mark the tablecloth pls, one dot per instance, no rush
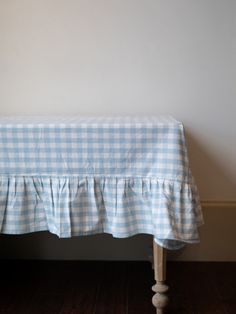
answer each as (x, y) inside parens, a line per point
(86, 175)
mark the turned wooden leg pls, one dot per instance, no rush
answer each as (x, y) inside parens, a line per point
(160, 299)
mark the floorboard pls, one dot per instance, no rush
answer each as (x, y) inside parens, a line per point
(80, 287)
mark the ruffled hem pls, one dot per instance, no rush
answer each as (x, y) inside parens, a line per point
(71, 206)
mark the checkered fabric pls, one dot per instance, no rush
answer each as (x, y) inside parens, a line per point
(86, 175)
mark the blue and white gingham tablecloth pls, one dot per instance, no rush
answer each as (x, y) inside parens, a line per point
(85, 175)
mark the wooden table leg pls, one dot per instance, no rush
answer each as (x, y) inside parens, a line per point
(160, 299)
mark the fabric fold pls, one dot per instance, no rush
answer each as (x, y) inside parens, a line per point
(70, 206)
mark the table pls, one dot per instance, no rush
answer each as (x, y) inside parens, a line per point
(85, 175)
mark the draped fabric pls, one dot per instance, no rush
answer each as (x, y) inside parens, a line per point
(86, 175)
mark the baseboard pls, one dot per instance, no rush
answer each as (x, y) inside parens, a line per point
(218, 204)
(217, 235)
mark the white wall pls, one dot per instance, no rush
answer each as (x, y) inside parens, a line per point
(129, 57)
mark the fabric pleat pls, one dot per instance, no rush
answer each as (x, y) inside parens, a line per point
(71, 206)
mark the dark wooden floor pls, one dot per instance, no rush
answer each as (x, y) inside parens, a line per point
(33, 287)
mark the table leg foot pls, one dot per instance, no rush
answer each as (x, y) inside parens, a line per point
(160, 299)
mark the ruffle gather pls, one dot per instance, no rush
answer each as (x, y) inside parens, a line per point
(70, 206)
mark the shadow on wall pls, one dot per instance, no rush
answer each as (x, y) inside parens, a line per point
(44, 245)
(219, 217)
(216, 237)
(213, 179)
